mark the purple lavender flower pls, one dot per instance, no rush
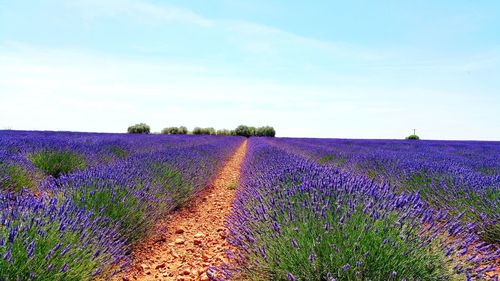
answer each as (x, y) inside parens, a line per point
(64, 268)
(7, 256)
(30, 249)
(311, 257)
(276, 227)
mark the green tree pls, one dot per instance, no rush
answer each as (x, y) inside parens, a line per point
(243, 130)
(140, 128)
(204, 131)
(265, 131)
(175, 130)
(412, 137)
(182, 130)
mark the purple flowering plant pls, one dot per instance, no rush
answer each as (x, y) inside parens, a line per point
(89, 197)
(294, 217)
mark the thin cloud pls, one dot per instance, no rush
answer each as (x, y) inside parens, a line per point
(253, 37)
(262, 37)
(138, 9)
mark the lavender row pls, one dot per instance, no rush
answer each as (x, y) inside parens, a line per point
(74, 203)
(294, 219)
(457, 176)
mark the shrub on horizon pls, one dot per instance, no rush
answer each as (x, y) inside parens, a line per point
(169, 131)
(249, 131)
(197, 131)
(183, 130)
(203, 131)
(175, 130)
(141, 128)
(265, 131)
(412, 137)
(252, 130)
(243, 130)
(225, 132)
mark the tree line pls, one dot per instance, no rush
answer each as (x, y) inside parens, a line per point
(241, 130)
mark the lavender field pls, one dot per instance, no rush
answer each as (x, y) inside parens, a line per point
(73, 205)
(325, 209)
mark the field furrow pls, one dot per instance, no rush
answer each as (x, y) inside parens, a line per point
(188, 241)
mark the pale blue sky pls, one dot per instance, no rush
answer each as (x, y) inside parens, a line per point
(344, 69)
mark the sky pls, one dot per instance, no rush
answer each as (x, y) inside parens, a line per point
(338, 69)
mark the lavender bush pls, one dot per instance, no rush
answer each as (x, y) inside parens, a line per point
(296, 220)
(461, 177)
(45, 239)
(92, 196)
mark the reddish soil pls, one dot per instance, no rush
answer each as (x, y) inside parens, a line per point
(188, 241)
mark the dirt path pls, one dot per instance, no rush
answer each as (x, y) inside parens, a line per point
(186, 242)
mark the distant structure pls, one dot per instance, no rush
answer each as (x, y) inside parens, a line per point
(414, 136)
